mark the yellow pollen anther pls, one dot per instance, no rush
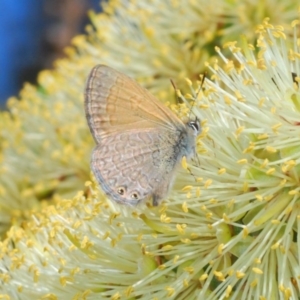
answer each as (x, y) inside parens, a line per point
(185, 241)
(116, 296)
(289, 209)
(164, 218)
(276, 127)
(265, 163)
(167, 247)
(203, 106)
(269, 197)
(245, 232)
(175, 259)
(275, 246)
(283, 182)
(227, 100)
(181, 228)
(187, 188)
(184, 163)
(209, 215)
(225, 218)
(271, 171)
(228, 291)
(170, 291)
(219, 275)
(188, 81)
(262, 136)
(185, 207)
(207, 183)
(239, 130)
(203, 277)
(220, 248)
(239, 274)
(259, 197)
(222, 171)
(254, 283)
(257, 271)
(242, 161)
(190, 270)
(239, 96)
(185, 283)
(129, 291)
(271, 149)
(293, 192)
(249, 148)
(275, 222)
(261, 102)
(295, 22)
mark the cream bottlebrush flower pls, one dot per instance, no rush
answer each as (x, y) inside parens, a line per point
(173, 39)
(80, 249)
(249, 172)
(230, 234)
(45, 143)
(44, 148)
(242, 17)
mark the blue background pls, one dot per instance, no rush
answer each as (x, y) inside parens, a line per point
(22, 24)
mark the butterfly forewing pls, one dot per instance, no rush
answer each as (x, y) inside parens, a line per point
(114, 102)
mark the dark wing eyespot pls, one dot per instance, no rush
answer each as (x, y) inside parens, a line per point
(121, 190)
(135, 196)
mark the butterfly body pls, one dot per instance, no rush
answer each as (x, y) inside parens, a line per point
(139, 141)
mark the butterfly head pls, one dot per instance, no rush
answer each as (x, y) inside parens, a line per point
(194, 127)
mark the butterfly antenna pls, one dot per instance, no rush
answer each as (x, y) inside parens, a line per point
(175, 89)
(197, 93)
(174, 85)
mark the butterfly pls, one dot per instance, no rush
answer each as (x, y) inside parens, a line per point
(139, 141)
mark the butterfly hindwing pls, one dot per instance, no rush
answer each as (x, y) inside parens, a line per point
(131, 166)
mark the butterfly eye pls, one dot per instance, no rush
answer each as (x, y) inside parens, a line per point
(135, 196)
(121, 190)
(194, 125)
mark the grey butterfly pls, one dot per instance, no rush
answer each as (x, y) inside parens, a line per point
(139, 140)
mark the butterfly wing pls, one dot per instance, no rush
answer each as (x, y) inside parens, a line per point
(139, 141)
(114, 103)
(134, 165)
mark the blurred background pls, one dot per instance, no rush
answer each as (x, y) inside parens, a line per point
(33, 33)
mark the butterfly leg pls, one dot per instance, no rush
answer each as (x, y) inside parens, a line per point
(155, 200)
(162, 190)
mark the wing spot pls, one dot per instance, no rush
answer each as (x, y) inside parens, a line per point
(121, 190)
(135, 195)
